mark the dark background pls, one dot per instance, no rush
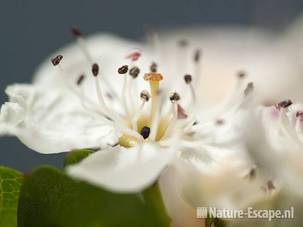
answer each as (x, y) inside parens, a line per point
(31, 29)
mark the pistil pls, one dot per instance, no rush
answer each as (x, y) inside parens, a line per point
(154, 82)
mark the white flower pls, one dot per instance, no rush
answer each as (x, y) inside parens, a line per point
(140, 122)
(284, 123)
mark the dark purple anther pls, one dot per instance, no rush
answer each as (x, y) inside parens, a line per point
(95, 69)
(56, 60)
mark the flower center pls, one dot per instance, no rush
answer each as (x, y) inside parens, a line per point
(149, 126)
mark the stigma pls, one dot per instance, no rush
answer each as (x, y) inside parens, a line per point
(153, 77)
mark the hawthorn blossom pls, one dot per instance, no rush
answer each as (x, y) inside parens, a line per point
(140, 108)
(283, 123)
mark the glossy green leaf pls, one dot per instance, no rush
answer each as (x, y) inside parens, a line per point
(76, 156)
(50, 198)
(10, 183)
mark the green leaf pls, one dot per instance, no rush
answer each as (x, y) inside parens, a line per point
(76, 156)
(214, 222)
(10, 183)
(153, 200)
(49, 198)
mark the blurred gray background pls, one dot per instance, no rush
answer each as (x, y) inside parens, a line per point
(32, 29)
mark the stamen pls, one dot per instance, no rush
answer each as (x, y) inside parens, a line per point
(145, 132)
(154, 67)
(95, 72)
(299, 120)
(56, 60)
(123, 69)
(183, 43)
(145, 96)
(95, 69)
(288, 130)
(85, 102)
(80, 79)
(134, 56)
(134, 72)
(76, 32)
(188, 80)
(174, 97)
(249, 88)
(178, 114)
(284, 104)
(247, 99)
(252, 174)
(241, 74)
(197, 55)
(197, 66)
(232, 99)
(104, 112)
(79, 36)
(81, 42)
(125, 91)
(220, 122)
(299, 115)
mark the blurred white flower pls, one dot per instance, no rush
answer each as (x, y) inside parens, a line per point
(284, 123)
(268, 58)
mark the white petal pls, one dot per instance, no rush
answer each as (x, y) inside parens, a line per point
(181, 213)
(264, 57)
(121, 169)
(11, 115)
(224, 186)
(213, 175)
(287, 143)
(52, 121)
(109, 52)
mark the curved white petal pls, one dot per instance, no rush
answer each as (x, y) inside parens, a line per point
(52, 121)
(123, 170)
